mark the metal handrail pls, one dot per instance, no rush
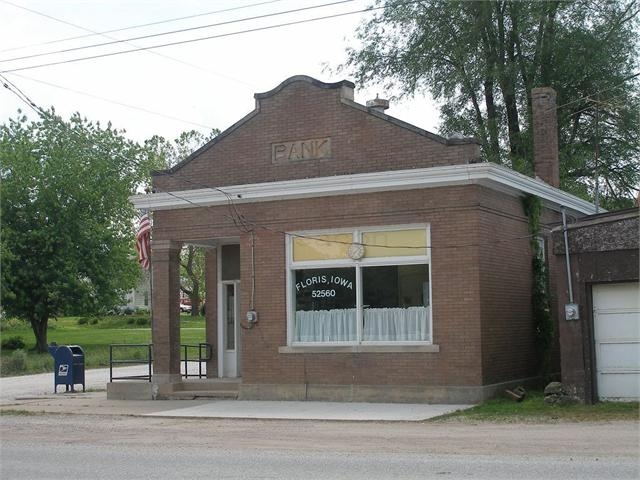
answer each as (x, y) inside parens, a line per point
(136, 361)
(205, 352)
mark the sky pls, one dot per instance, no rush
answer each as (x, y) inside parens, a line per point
(195, 85)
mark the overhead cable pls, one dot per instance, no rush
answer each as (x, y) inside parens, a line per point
(131, 27)
(182, 42)
(172, 32)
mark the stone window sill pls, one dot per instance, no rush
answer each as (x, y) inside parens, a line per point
(360, 349)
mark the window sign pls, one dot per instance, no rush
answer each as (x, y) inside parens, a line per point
(325, 309)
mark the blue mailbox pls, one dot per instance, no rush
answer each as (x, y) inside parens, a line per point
(68, 366)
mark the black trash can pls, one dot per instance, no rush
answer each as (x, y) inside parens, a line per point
(68, 366)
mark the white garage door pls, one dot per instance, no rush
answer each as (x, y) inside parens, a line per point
(616, 313)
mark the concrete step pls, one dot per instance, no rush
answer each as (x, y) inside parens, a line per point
(202, 394)
(209, 385)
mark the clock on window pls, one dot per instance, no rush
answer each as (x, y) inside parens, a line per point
(356, 251)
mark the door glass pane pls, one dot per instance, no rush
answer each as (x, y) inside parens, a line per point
(395, 303)
(325, 301)
(230, 314)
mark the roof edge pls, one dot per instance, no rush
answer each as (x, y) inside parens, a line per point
(488, 174)
(411, 127)
(208, 145)
(307, 79)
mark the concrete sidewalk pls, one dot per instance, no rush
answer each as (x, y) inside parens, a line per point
(34, 393)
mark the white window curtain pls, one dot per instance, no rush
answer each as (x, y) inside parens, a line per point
(337, 325)
(396, 324)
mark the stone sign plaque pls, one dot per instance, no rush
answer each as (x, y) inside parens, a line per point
(313, 149)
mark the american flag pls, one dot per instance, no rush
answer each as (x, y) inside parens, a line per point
(143, 241)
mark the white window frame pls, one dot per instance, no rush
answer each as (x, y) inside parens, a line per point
(356, 232)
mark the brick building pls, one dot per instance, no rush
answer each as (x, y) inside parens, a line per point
(352, 256)
(600, 345)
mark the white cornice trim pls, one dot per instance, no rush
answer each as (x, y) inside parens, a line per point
(487, 174)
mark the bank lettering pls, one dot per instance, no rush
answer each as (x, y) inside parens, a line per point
(321, 280)
(313, 149)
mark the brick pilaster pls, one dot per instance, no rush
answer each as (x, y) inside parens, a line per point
(165, 259)
(211, 309)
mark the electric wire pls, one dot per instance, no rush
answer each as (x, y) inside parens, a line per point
(131, 27)
(115, 102)
(182, 42)
(172, 32)
(588, 97)
(162, 55)
(247, 226)
(6, 83)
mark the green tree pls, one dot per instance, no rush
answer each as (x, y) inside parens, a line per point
(480, 60)
(168, 154)
(67, 235)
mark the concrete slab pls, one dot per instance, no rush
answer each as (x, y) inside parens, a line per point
(34, 393)
(312, 410)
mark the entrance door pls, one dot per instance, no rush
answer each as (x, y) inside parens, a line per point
(229, 338)
(616, 316)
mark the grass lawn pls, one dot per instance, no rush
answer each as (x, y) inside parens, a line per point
(533, 409)
(94, 336)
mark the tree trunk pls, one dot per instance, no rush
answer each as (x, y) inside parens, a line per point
(492, 123)
(191, 270)
(195, 299)
(39, 327)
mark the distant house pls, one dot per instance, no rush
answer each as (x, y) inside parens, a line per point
(353, 256)
(140, 297)
(600, 346)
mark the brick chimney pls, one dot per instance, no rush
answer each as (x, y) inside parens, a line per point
(545, 135)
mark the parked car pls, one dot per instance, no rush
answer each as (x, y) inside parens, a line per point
(185, 308)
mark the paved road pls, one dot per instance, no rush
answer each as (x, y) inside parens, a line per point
(117, 447)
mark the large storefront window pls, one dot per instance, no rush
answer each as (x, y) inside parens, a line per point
(365, 286)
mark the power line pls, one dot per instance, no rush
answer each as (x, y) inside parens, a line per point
(249, 225)
(142, 109)
(588, 97)
(182, 42)
(6, 83)
(93, 33)
(159, 54)
(245, 225)
(172, 32)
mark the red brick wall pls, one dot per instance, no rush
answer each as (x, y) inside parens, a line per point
(506, 282)
(481, 321)
(360, 143)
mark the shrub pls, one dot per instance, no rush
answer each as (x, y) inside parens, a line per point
(8, 323)
(15, 364)
(13, 343)
(143, 321)
(83, 321)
